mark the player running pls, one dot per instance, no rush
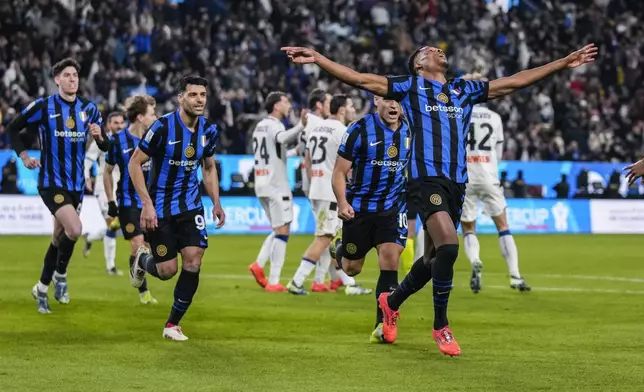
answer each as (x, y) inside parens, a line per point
(173, 214)
(64, 121)
(321, 154)
(484, 151)
(270, 139)
(319, 107)
(439, 111)
(140, 113)
(374, 207)
(115, 122)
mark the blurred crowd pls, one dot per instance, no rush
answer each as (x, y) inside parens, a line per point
(129, 46)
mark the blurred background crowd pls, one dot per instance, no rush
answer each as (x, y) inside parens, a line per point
(593, 113)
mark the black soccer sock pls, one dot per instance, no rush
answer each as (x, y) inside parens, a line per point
(144, 286)
(183, 292)
(339, 253)
(415, 280)
(387, 282)
(148, 263)
(49, 264)
(65, 251)
(443, 271)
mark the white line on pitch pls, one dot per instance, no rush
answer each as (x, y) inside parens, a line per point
(579, 277)
(539, 288)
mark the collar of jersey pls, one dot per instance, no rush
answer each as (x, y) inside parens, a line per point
(432, 81)
(61, 100)
(183, 126)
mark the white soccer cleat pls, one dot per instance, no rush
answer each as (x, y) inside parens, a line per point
(357, 290)
(475, 280)
(174, 333)
(137, 274)
(41, 298)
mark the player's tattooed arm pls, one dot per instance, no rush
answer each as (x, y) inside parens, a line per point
(374, 83)
(508, 85)
(211, 183)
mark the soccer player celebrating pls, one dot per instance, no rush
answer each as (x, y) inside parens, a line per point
(64, 121)
(270, 139)
(115, 122)
(140, 113)
(484, 151)
(374, 207)
(322, 152)
(172, 214)
(439, 111)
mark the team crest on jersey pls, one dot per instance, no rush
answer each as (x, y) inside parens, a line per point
(189, 152)
(82, 116)
(162, 250)
(129, 228)
(436, 199)
(351, 248)
(442, 97)
(70, 123)
(59, 198)
(392, 151)
(204, 141)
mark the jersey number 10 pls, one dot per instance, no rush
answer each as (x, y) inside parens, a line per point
(471, 137)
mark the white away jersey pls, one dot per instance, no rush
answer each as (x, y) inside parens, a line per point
(484, 145)
(94, 154)
(323, 145)
(270, 159)
(313, 121)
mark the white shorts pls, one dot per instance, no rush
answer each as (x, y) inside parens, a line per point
(279, 210)
(491, 195)
(326, 217)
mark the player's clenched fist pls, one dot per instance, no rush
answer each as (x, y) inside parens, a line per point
(345, 211)
(95, 131)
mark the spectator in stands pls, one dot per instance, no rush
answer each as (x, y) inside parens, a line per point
(562, 188)
(519, 188)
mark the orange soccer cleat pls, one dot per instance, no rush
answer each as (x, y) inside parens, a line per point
(275, 288)
(320, 288)
(258, 274)
(389, 319)
(446, 342)
(335, 284)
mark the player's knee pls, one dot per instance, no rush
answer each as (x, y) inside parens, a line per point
(388, 258)
(352, 267)
(193, 265)
(167, 269)
(74, 231)
(135, 244)
(447, 252)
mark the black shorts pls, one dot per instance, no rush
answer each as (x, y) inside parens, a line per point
(54, 198)
(130, 219)
(177, 232)
(438, 194)
(412, 208)
(370, 229)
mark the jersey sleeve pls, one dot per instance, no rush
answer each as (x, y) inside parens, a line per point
(350, 143)
(398, 87)
(110, 156)
(152, 141)
(94, 115)
(477, 91)
(211, 141)
(29, 115)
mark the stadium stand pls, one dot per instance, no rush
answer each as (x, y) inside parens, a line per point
(593, 114)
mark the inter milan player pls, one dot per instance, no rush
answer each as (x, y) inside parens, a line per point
(139, 110)
(439, 111)
(115, 122)
(373, 207)
(172, 213)
(64, 121)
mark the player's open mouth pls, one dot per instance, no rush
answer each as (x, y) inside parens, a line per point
(393, 112)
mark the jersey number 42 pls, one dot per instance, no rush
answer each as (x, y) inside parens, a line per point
(483, 143)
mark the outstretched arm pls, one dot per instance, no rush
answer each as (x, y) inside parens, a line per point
(374, 83)
(505, 86)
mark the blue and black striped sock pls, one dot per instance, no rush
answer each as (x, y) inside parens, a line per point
(443, 273)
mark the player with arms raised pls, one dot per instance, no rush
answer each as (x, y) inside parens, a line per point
(484, 151)
(439, 111)
(64, 121)
(140, 113)
(173, 215)
(322, 152)
(270, 139)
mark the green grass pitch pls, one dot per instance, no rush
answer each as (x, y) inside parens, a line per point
(580, 329)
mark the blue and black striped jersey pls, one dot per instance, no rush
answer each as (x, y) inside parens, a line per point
(63, 129)
(121, 149)
(439, 116)
(379, 156)
(176, 154)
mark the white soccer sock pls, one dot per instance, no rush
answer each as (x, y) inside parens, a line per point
(303, 271)
(58, 275)
(322, 266)
(472, 247)
(278, 254)
(333, 273)
(346, 279)
(265, 250)
(420, 244)
(109, 250)
(96, 236)
(510, 252)
(42, 287)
